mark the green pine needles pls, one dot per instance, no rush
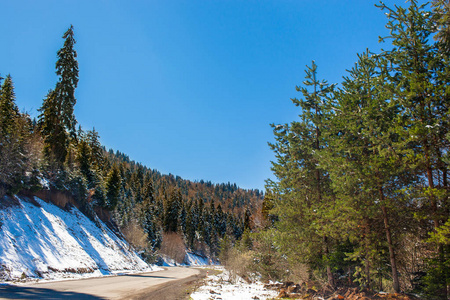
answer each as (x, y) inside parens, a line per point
(364, 168)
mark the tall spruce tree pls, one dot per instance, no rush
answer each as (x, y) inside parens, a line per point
(67, 70)
(57, 121)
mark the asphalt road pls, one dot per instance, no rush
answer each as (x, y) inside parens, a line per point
(133, 286)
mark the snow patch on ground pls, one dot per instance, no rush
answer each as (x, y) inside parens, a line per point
(191, 259)
(49, 243)
(223, 287)
(195, 260)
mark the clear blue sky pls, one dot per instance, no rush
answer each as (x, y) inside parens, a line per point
(186, 87)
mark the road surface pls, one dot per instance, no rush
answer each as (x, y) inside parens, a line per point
(167, 284)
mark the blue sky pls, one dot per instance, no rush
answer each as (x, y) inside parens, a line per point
(187, 87)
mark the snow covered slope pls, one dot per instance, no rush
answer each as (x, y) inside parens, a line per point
(48, 242)
(190, 259)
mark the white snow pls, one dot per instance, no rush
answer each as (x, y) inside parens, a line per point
(190, 259)
(225, 287)
(49, 243)
(195, 260)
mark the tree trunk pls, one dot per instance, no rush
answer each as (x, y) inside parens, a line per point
(367, 244)
(387, 229)
(434, 209)
(329, 273)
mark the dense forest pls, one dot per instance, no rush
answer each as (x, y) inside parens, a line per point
(361, 195)
(57, 160)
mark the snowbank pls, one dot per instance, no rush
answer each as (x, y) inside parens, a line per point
(222, 287)
(190, 259)
(49, 243)
(195, 260)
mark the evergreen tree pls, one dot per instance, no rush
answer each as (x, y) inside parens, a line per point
(150, 226)
(13, 131)
(67, 70)
(182, 218)
(303, 192)
(8, 108)
(171, 211)
(57, 119)
(419, 70)
(192, 223)
(441, 9)
(361, 144)
(84, 160)
(96, 150)
(220, 222)
(113, 187)
(53, 131)
(148, 192)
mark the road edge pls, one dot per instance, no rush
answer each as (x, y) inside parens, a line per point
(174, 290)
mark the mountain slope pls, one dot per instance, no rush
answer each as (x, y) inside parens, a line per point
(40, 240)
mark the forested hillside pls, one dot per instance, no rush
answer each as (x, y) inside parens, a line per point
(361, 195)
(55, 158)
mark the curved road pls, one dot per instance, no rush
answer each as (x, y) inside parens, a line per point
(132, 286)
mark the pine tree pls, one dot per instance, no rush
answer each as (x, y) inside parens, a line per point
(8, 108)
(303, 189)
(419, 70)
(182, 218)
(171, 211)
(221, 222)
(84, 160)
(96, 149)
(150, 226)
(191, 223)
(113, 187)
(57, 120)
(147, 190)
(362, 145)
(53, 131)
(441, 9)
(13, 132)
(67, 70)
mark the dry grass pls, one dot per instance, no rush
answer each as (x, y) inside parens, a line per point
(299, 272)
(59, 198)
(135, 235)
(239, 264)
(173, 246)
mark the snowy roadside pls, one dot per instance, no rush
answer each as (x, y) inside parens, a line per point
(41, 242)
(190, 259)
(222, 286)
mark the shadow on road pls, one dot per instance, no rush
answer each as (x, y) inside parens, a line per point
(18, 292)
